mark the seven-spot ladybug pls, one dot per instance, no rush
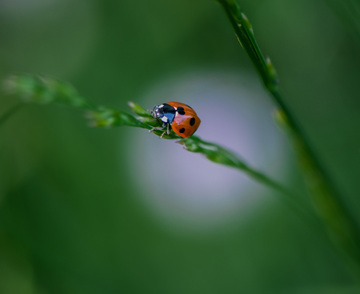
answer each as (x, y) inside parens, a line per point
(179, 116)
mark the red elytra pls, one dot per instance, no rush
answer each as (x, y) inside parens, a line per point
(186, 121)
(181, 117)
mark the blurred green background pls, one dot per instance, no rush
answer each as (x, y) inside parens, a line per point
(72, 216)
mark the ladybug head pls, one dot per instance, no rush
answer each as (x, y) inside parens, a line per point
(164, 112)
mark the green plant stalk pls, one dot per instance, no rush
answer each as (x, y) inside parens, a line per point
(42, 90)
(105, 117)
(342, 227)
(221, 155)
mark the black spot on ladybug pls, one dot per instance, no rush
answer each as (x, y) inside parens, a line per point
(192, 121)
(181, 110)
(182, 130)
(168, 108)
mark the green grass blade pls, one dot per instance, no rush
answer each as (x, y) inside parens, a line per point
(343, 229)
(46, 90)
(43, 90)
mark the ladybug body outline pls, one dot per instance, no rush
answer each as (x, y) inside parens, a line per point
(179, 116)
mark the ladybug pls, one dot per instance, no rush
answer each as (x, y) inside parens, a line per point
(179, 116)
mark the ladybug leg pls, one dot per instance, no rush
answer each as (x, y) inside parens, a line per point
(165, 125)
(167, 131)
(155, 129)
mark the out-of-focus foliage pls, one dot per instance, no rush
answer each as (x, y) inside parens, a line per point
(71, 218)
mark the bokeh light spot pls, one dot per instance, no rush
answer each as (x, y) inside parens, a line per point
(185, 188)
